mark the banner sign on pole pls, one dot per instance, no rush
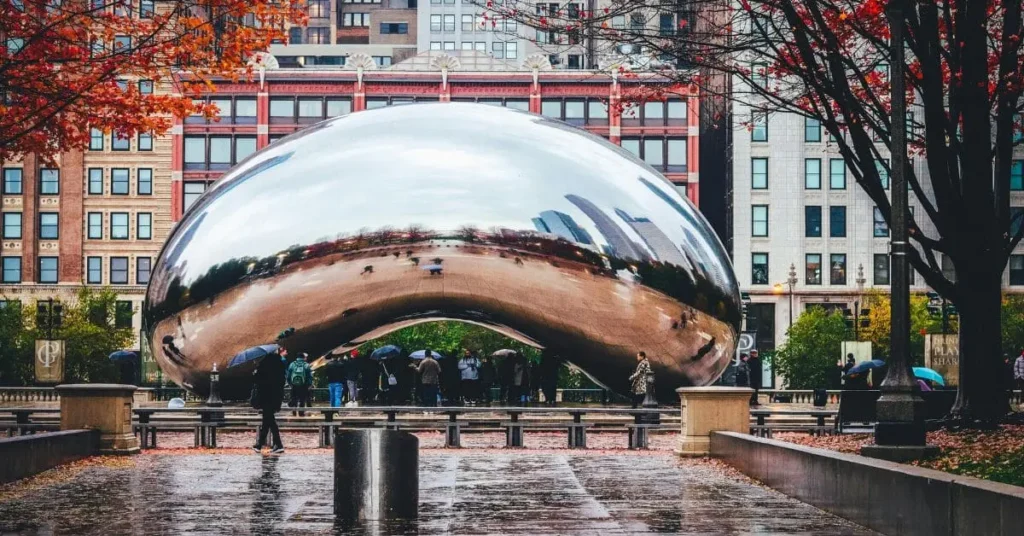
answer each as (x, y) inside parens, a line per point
(49, 361)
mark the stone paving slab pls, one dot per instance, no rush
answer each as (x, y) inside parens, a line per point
(460, 493)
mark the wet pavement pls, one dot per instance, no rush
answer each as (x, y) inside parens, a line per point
(519, 492)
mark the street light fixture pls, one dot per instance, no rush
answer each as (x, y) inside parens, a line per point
(791, 281)
(900, 432)
(856, 303)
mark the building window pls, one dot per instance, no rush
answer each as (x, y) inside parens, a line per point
(192, 192)
(836, 174)
(837, 221)
(676, 154)
(1016, 220)
(49, 226)
(147, 8)
(881, 262)
(880, 227)
(403, 27)
(812, 221)
(144, 226)
(812, 130)
(12, 181)
(48, 269)
(119, 181)
(812, 173)
(95, 231)
(838, 273)
(654, 113)
(759, 126)
(551, 108)
(435, 45)
(338, 107)
(245, 110)
(145, 141)
(676, 112)
(759, 75)
(12, 269)
(94, 270)
(95, 181)
(759, 220)
(282, 109)
(632, 145)
(319, 9)
(49, 181)
(1017, 175)
(435, 23)
(311, 108)
(145, 87)
(812, 268)
(123, 314)
(220, 152)
(120, 142)
(597, 113)
(95, 139)
(948, 270)
(143, 265)
(575, 112)
(195, 152)
(759, 269)
(12, 225)
(1016, 269)
(145, 181)
(883, 173)
(119, 270)
(654, 153)
(467, 24)
(356, 19)
(759, 173)
(244, 146)
(449, 23)
(119, 226)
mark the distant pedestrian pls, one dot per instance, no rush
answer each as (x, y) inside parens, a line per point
(300, 378)
(743, 371)
(268, 379)
(352, 373)
(487, 377)
(430, 375)
(639, 379)
(469, 370)
(450, 381)
(1018, 371)
(755, 376)
(519, 384)
(335, 371)
(550, 364)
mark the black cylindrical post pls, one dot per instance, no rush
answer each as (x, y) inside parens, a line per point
(376, 475)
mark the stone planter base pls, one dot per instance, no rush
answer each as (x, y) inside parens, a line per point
(104, 407)
(708, 409)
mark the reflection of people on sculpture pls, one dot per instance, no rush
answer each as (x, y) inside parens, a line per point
(268, 379)
(171, 351)
(639, 378)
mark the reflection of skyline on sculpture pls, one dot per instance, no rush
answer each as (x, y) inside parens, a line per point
(567, 222)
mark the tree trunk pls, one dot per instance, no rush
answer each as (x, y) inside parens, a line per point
(981, 398)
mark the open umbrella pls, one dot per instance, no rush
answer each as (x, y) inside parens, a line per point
(420, 354)
(123, 355)
(252, 354)
(861, 368)
(504, 353)
(386, 352)
(434, 269)
(928, 374)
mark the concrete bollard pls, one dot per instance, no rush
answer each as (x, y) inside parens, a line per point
(376, 475)
(104, 407)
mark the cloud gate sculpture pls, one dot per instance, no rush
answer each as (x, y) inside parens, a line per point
(367, 223)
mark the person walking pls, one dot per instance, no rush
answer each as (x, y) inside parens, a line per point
(430, 375)
(743, 371)
(755, 377)
(487, 376)
(469, 369)
(352, 370)
(639, 379)
(1018, 371)
(268, 379)
(300, 377)
(335, 371)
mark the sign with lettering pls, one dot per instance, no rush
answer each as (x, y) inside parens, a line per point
(942, 354)
(49, 361)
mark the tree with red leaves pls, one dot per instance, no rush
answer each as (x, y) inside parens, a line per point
(828, 60)
(67, 66)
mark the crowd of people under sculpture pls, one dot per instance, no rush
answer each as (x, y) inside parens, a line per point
(469, 380)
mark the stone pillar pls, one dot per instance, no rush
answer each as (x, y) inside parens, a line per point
(711, 409)
(101, 406)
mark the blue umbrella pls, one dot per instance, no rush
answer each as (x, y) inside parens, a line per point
(420, 354)
(123, 355)
(252, 354)
(386, 352)
(928, 374)
(861, 368)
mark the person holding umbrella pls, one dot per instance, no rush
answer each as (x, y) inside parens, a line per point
(269, 386)
(430, 374)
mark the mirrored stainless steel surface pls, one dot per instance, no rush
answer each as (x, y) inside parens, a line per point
(376, 475)
(363, 224)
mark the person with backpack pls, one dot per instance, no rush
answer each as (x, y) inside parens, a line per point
(300, 378)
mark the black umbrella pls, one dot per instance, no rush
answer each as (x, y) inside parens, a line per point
(123, 355)
(250, 354)
(386, 352)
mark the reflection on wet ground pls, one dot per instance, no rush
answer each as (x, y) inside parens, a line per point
(460, 493)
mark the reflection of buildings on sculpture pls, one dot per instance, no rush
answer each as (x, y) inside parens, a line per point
(561, 224)
(657, 241)
(618, 244)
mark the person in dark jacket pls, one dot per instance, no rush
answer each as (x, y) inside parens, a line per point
(487, 377)
(548, 371)
(335, 371)
(743, 371)
(353, 369)
(429, 372)
(450, 380)
(269, 380)
(370, 382)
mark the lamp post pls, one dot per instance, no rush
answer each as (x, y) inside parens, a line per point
(791, 281)
(214, 400)
(856, 303)
(900, 432)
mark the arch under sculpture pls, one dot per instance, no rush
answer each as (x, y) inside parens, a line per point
(366, 223)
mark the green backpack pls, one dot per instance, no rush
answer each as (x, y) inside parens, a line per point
(298, 376)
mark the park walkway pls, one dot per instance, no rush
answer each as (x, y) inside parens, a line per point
(490, 492)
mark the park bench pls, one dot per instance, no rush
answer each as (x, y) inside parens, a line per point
(857, 407)
(762, 428)
(23, 424)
